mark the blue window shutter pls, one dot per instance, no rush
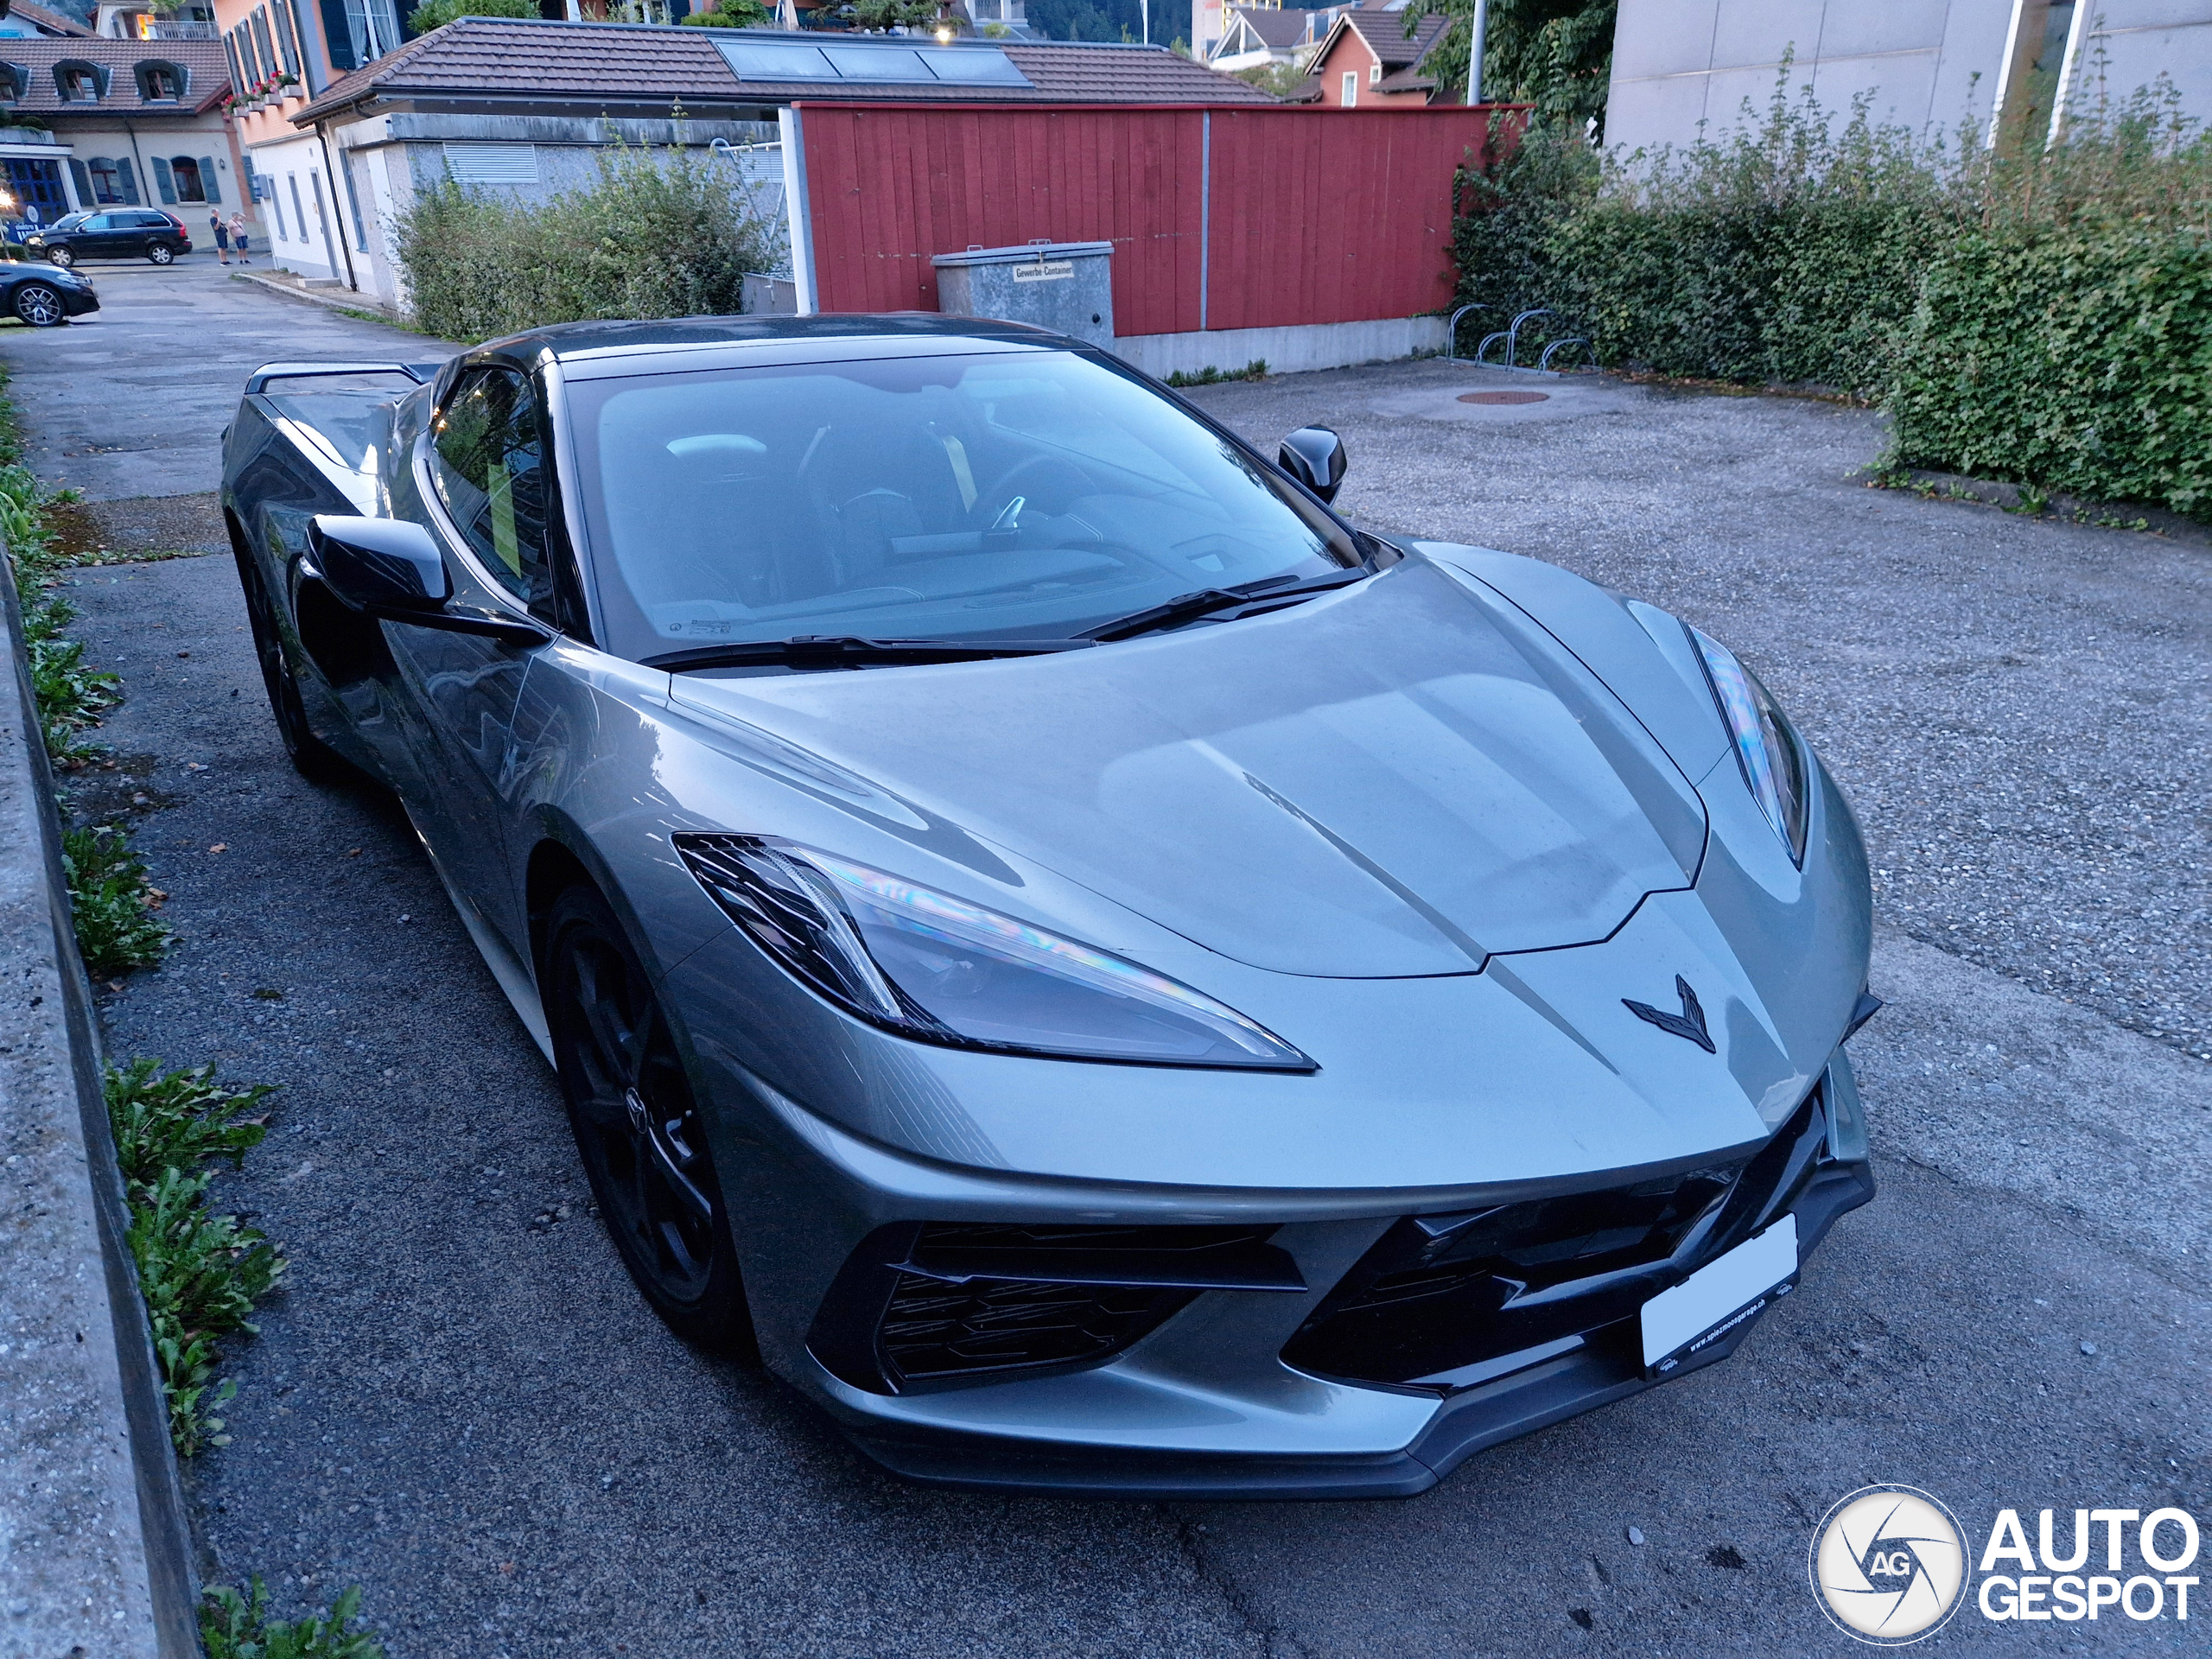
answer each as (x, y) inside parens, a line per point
(126, 181)
(84, 181)
(162, 182)
(338, 35)
(208, 185)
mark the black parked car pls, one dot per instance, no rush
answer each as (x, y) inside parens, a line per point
(112, 233)
(43, 296)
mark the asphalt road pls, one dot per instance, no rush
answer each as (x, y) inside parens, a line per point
(460, 1405)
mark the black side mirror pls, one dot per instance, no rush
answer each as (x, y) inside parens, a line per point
(379, 565)
(1314, 455)
(390, 568)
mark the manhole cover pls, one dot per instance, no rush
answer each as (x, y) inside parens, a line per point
(1505, 396)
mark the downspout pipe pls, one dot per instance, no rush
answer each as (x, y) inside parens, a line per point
(337, 206)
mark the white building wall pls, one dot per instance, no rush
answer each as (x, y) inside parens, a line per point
(2129, 43)
(1685, 68)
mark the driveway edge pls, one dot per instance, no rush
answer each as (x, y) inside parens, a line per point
(100, 1557)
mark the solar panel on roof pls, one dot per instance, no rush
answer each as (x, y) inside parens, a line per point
(775, 61)
(877, 62)
(968, 66)
(785, 60)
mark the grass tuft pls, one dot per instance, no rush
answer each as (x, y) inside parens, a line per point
(110, 901)
(1210, 376)
(201, 1272)
(234, 1627)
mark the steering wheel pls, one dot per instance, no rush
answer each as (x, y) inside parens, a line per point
(1047, 483)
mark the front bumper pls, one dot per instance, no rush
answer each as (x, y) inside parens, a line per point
(77, 302)
(1206, 1403)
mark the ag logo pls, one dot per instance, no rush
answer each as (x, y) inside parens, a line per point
(1889, 1564)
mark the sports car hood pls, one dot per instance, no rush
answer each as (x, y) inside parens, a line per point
(1400, 779)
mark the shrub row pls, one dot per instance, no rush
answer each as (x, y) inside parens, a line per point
(656, 236)
(2038, 316)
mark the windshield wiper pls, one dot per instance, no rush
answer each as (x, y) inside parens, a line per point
(847, 651)
(1188, 608)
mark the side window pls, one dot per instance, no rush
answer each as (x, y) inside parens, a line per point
(491, 472)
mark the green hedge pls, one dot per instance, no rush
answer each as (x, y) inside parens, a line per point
(656, 236)
(2041, 317)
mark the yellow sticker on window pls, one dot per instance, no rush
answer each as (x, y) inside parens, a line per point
(506, 547)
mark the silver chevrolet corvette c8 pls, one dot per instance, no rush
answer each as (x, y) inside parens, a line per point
(1111, 977)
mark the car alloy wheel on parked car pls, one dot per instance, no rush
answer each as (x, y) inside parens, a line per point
(638, 1126)
(60, 256)
(39, 305)
(159, 253)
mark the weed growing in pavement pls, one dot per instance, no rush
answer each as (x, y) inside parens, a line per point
(1210, 376)
(71, 695)
(233, 1626)
(201, 1272)
(110, 901)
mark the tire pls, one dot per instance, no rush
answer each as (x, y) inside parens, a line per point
(312, 758)
(61, 257)
(639, 1128)
(160, 253)
(39, 305)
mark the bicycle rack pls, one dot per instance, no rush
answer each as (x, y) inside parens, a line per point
(1511, 335)
(1451, 333)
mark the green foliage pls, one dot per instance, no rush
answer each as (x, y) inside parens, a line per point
(179, 1120)
(732, 14)
(432, 14)
(1279, 80)
(200, 1272)
(880, 16)
(1557, 54)
(233, 1626)
(71, 696)
(110, 901)
(2039, 316)
(1210, 376)
(658, 236)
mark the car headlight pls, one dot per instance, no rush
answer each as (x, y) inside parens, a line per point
(1766, 747)
(939, 969)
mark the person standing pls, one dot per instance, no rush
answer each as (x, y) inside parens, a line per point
(239, 237)
(222, 238)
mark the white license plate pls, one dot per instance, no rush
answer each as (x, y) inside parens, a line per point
(1721, 1296)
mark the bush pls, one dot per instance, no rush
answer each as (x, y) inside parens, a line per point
(658, 236)
(732, 14)
(2039, 316)
(434, 14)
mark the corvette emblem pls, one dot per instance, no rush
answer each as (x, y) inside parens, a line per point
(1688, 1023)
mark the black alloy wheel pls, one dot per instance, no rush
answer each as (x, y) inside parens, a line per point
(638, 1126)
(39, 304)
(60, 256)
(160, 253)
(312, 758)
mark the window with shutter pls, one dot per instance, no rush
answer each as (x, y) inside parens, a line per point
(126, 181)
(213, 190)
(163, 181)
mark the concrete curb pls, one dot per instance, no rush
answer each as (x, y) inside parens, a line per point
(95, 1546)
(332, 299)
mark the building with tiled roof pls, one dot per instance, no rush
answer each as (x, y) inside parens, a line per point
(26, 21)
(1258, 34)
(92, 123)
(1370, 61)
(507, 63)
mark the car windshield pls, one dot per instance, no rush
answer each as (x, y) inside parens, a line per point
(69, 221)
(1009, 495)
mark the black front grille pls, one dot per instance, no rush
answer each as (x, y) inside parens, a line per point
(936, 1303)
(933, 1330)
(1437, 1295)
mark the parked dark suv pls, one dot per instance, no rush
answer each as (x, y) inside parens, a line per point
(110, 233)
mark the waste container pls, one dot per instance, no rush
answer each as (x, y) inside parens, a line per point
(1067, 286)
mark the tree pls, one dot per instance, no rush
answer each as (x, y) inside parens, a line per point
(1557, 54)
(432, 14)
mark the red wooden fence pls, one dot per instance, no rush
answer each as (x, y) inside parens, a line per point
(1225, 217)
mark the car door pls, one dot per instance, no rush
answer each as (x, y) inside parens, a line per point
(97, 237)
(143, 229)
(491, 483)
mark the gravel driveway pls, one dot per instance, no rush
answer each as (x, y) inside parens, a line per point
(461, 1404)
